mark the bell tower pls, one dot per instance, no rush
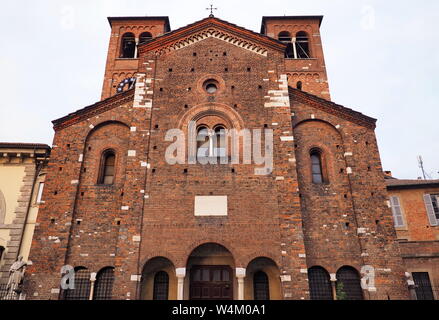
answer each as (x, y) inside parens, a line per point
(304, 59)
(122, 59)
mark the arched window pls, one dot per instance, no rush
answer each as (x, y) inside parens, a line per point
(104, 284)
(261, 286)
(82, 286)
(302, 45)
(161, 286)
(299, 85)
(348, 284)
(107, 168)
(128, 46)
(284, 36)
(220, 149)
(316, 167)
(203, 142)
(319, 284)
(145, 37)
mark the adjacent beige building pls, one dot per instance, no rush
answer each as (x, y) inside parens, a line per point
(415, 207)
(22, 174)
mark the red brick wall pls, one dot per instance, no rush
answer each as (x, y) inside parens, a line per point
(118, 69)
(358, 198)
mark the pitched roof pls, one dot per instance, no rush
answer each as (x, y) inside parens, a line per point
(332, 108)
(175, 35)
(94, 109)
(23, 145)
(393, 184)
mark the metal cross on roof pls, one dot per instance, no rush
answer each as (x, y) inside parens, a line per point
(211, 10)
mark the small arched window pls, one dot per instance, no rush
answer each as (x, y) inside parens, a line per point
(128, 46)
(104, 284)
(302, 45)
(2, 249)
(349, 284)
(107, 169)
(284, 36)
(319, 284)
(220, 149)
(203, 142)
(145, 37)
(316, 167)
(299, 85)
(161, 286)
(261, 286)
(82, 286)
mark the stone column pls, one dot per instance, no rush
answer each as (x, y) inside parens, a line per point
(294, 47)
(181, 274)
(136, 41)
(240, 275)
(411, 285)
(92, 284)
(334, 285)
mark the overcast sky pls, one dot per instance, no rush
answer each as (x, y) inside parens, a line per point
(382, 60)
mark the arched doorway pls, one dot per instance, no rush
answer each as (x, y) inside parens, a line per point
(210, 270)
(159, 281)
(263, 280)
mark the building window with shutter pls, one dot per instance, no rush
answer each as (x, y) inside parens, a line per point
(432, 206)
(423, 286)
(107, 168)
(397, 212)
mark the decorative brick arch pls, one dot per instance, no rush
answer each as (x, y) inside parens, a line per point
(184, 258)
(319, 120)
(261, 254)
(212, 109)
(102, 124)
(213, 33)
(163, 255)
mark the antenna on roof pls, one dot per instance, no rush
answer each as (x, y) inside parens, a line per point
(421, 165)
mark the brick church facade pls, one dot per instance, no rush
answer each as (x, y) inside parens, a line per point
(136, 227)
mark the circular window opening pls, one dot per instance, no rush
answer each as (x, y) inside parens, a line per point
(211, 86)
